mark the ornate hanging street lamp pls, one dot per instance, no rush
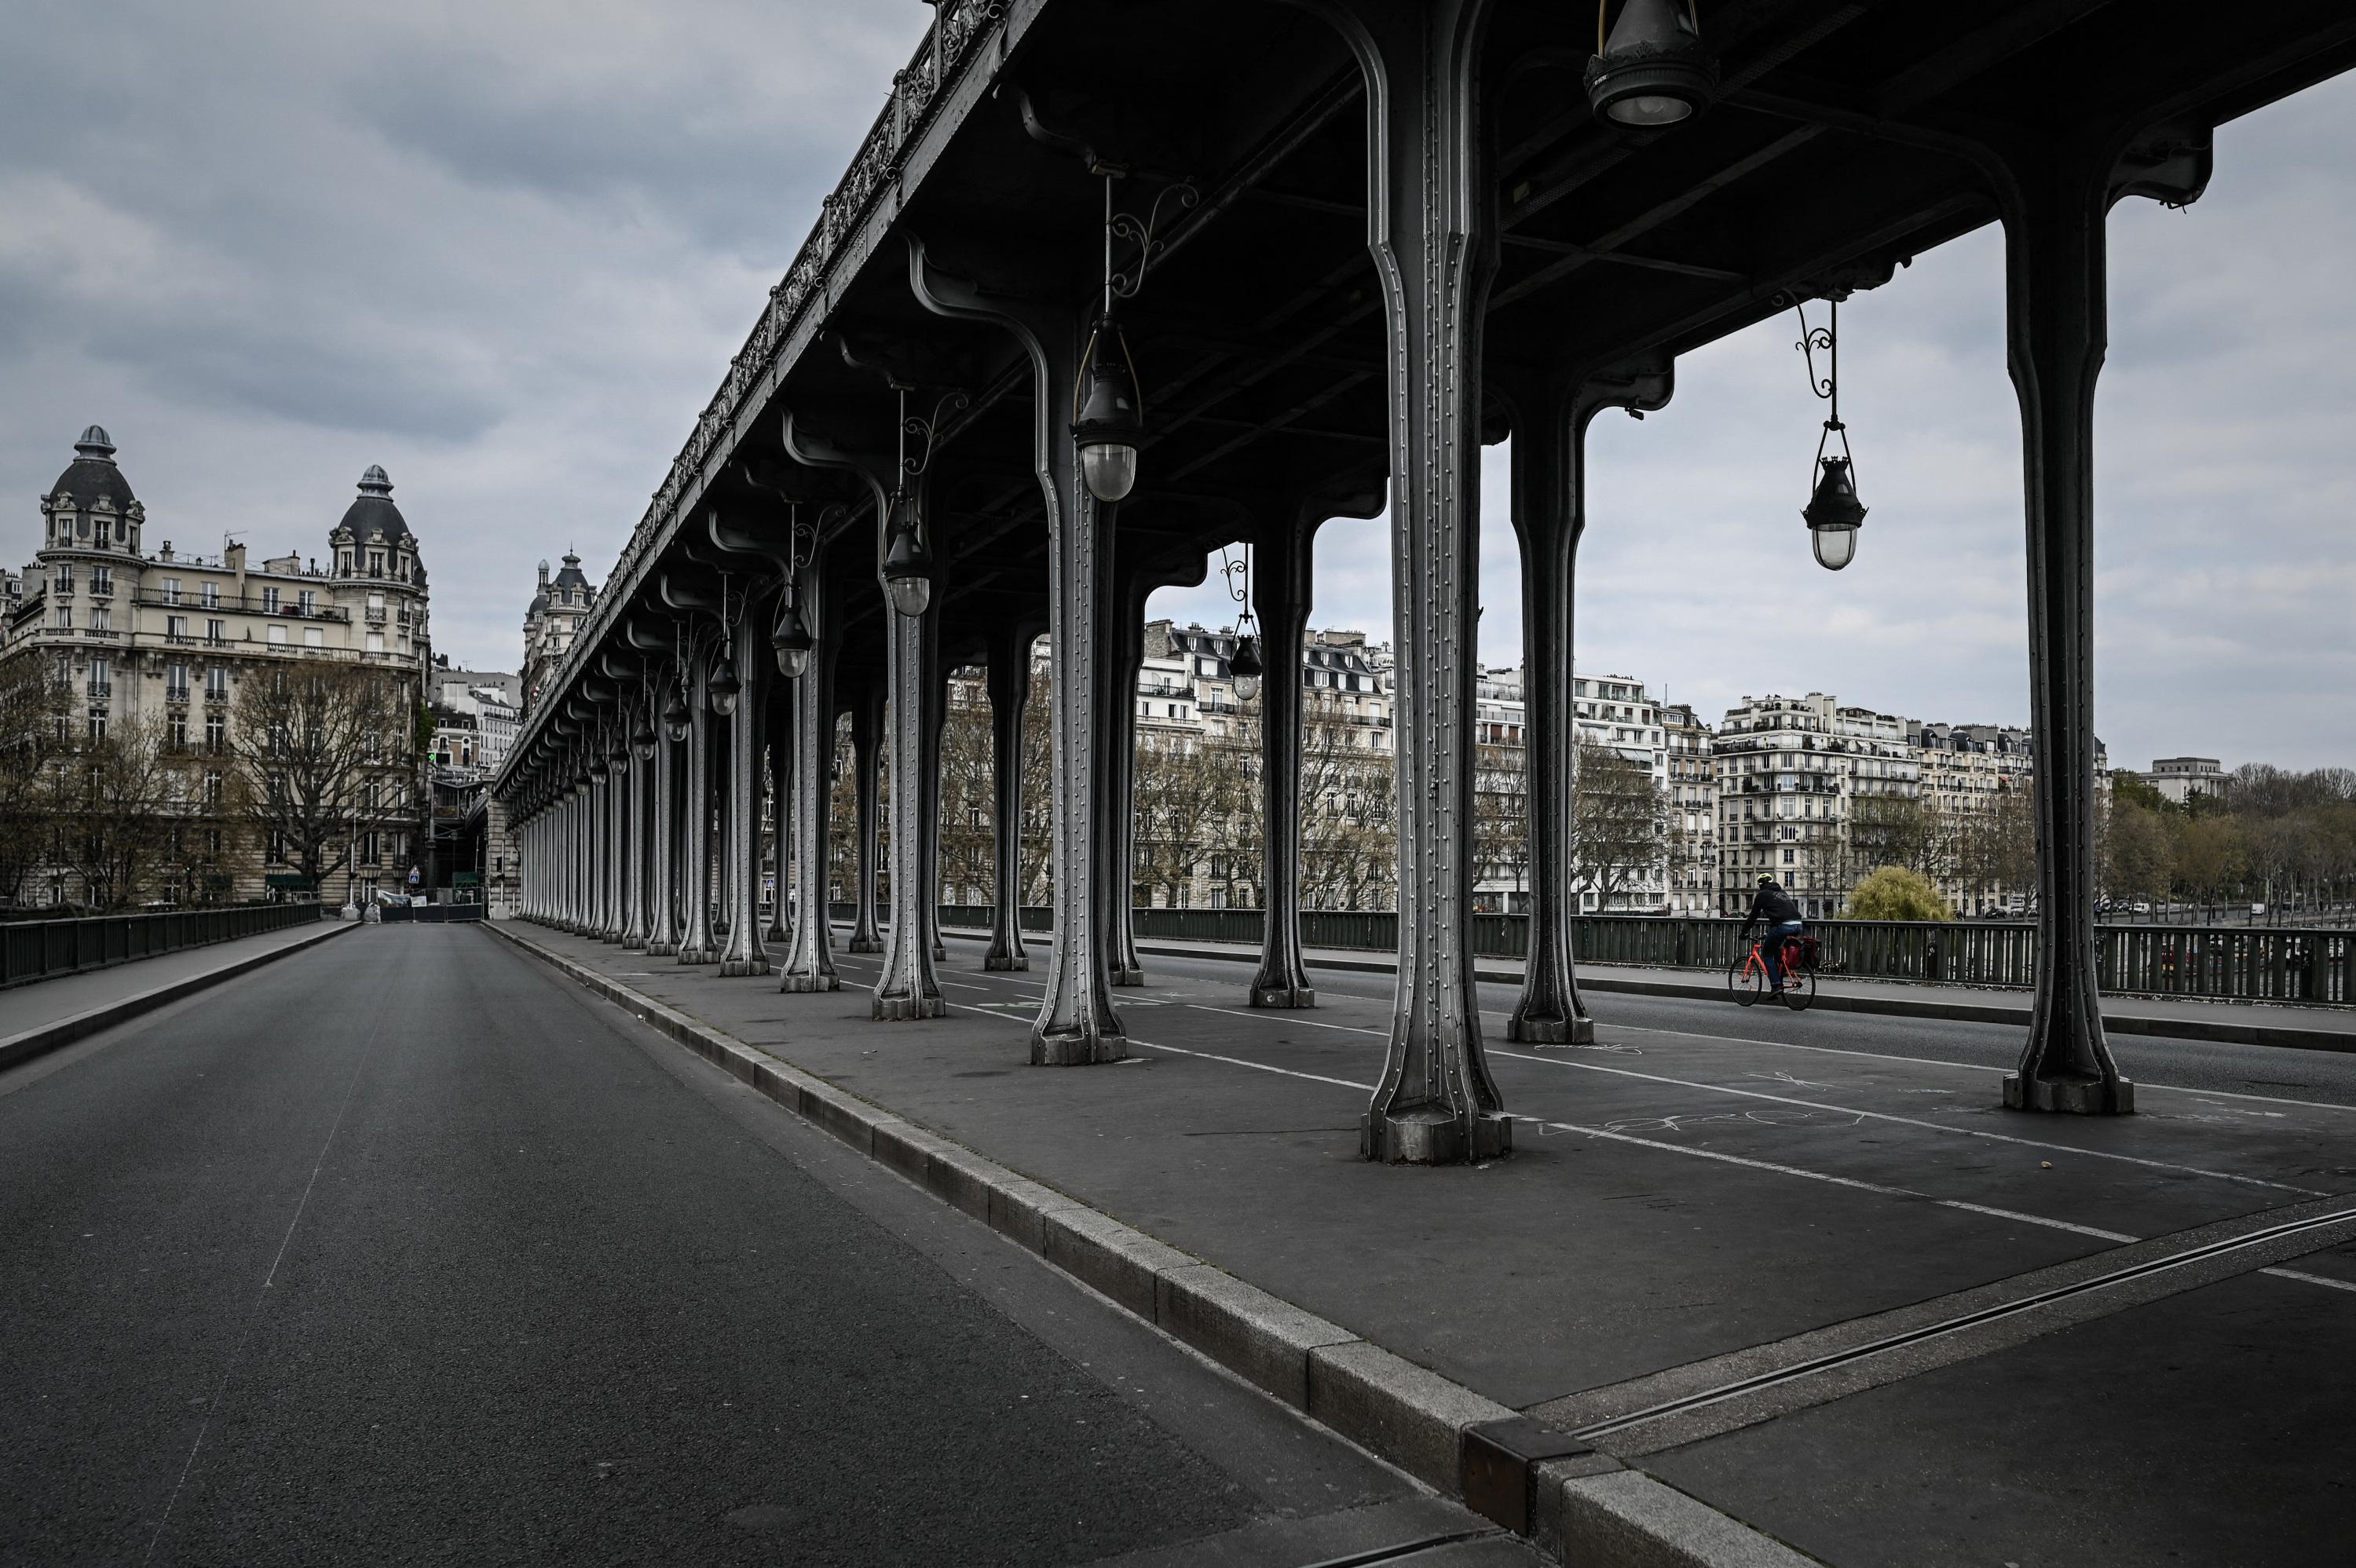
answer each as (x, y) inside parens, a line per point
(723, 685)
(1653, 70)
(642, 740)
(1833, 514)
(907, 558)
(790, 637)
(1108, 414)
(676, 717)
(1244, 666)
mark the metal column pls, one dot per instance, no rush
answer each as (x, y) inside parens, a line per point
(1010, 692)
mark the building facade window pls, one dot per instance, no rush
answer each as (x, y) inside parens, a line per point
(307, 602)
(216, 632)
(65, 618)
(175, 682)
(210, 596)
(216, 733)
(176, 627)
(216, 684)
(270, 601)
(171, 592)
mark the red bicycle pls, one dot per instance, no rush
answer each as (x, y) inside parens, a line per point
(1747, 976)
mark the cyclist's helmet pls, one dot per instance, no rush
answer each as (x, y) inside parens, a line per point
(1766, 879)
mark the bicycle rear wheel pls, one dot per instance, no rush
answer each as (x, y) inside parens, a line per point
(1799, 987)
(1747, 980)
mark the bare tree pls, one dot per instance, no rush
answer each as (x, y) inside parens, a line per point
(322, 752)
(968, 838)
(117, 807)
(1617, 830)
(33, 716)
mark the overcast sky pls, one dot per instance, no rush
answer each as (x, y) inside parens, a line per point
(507, 250)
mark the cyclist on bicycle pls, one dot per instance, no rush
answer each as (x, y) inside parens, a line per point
(1773, 906)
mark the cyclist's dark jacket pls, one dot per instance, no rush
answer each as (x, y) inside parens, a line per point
(1771, 904)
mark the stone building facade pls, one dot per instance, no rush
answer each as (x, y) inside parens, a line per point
(161, 640)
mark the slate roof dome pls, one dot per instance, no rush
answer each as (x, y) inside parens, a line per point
(372, 519)
(92, 474)
(571, 576)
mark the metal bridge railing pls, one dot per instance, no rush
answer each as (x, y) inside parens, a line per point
(40, 949)
(2218, 963)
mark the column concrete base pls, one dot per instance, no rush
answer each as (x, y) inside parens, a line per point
(1076, 1050)
(2071, 1096)
(732, 967)
(634, 943)
(1430, 1136)
(904, 1009)
(864, 944)
(808, 983)
(1578, 1031)
(1005, 961)
(1283, 997)
(661, 949)
(697, 955)
(1126, 977)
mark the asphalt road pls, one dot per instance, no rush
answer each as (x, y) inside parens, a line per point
(407, 1250)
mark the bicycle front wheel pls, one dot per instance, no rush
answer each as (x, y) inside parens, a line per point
(1747, 980)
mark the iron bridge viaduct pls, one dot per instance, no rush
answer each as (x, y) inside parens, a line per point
(1109, 285)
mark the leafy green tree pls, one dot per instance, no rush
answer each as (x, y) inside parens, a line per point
(1893, 892)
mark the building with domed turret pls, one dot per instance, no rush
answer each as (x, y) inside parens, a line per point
(551, 623)
(156, 643)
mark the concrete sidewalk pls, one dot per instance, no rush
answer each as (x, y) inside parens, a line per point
(40, 1018)
(1710, 1264)
(2231, 1022)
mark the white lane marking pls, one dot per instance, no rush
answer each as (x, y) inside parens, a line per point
(245, 1335)
(1912, 1122)
(1256, 1066)
(1289, 1018)
(2141, 1084)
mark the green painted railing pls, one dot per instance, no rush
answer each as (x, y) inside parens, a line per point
(2241, 962)
(39, 949)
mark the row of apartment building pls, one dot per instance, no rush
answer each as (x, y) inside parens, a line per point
(1795, 786)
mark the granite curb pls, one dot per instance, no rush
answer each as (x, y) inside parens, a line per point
(38, 1041)
(1586, 1509)
(2223, 1031)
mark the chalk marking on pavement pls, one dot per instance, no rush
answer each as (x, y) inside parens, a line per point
(245, 1335)
(1914, 1122)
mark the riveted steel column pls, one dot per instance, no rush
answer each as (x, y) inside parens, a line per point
(1552, 414)
(695, 944)
(1010, 692)
(906, 988)
(639, 854)
(777, 750)
(662, 926)
(1433, 244)
(1119, 788)
(810, 964)
(1280, 596)
(2057, 330)
(937, 721)
(866, 762)
(1076, 1022)
(744, 954)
